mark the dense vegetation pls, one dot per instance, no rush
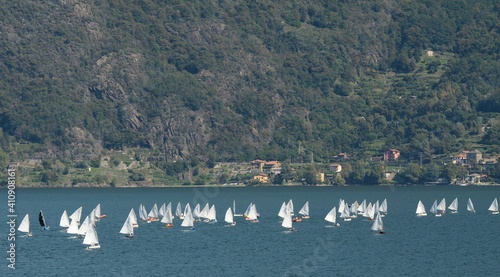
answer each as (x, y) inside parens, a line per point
(240, 80)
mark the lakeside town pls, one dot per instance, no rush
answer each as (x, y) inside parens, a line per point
(129, 168)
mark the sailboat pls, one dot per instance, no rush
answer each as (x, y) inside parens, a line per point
(197, 212)
(64, 222)
(454, 206)
(234, 209)
(98, 211)
(229, 217)
(143, 214)
(383, 208)
(332, 217)
(290, 206)
(153, 214)
(91, 238)
(494, 207)
(25, 226)
(470, 206)
(76, 215)
(167, 219)
(287, 221)
(362, 207)
(354, 209)
(346, 215)
(133, 219)
(420, 209)
(378, 224)
(282, 212)
(41, 219)
(212, 214)
(252, 214)
(162, 210)
(434, 209)
(73, 227)
(305, 210)
(204, 212)
(84, 227)
(178, 211)
(128, 227)
(442, 206)
(188, 218)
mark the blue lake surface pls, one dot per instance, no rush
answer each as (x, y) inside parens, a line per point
(462, 244)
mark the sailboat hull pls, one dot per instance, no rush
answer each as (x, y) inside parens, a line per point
(93, 247)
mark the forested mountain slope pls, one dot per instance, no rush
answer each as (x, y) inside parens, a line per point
(241, 80)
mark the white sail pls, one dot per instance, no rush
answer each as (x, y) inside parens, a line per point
(188, 218)
(383, 207)
(341, 205)
(64, 222)
(92, 218)
(212, 213)
(470, 206)
(252, 214)
(178, 211)
(91, 237)
(76, 215)
(153, 214)
(248, 209)
(167, 218)
(143, 214)
(376, 208)
(287, 221)
(442, 206)
(346, 215)
(128, 227)
(332, 216)
(362, 207)
(367, 210)
(420, 209)
(97, 211)
(371, 211)
(133, 217)
(454, 206)
(162, 210)
(354, 209)
(73, 227)
(229, 216)
(204, 212)
(84, 227)
(290, 207)
(433, 208)
(378, 225)
(305, 209)
(169, 209)
(494, 206)
(25, 224)
(197, 211)
(283, 209)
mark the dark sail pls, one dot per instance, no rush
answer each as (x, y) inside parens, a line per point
(41, 219)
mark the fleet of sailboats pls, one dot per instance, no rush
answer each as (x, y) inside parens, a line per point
(347, 211)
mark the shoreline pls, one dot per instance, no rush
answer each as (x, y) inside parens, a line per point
(248, 186)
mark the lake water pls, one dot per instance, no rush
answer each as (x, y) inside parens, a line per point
(462, 244)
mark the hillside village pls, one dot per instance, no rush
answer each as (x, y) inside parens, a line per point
(131, 169)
